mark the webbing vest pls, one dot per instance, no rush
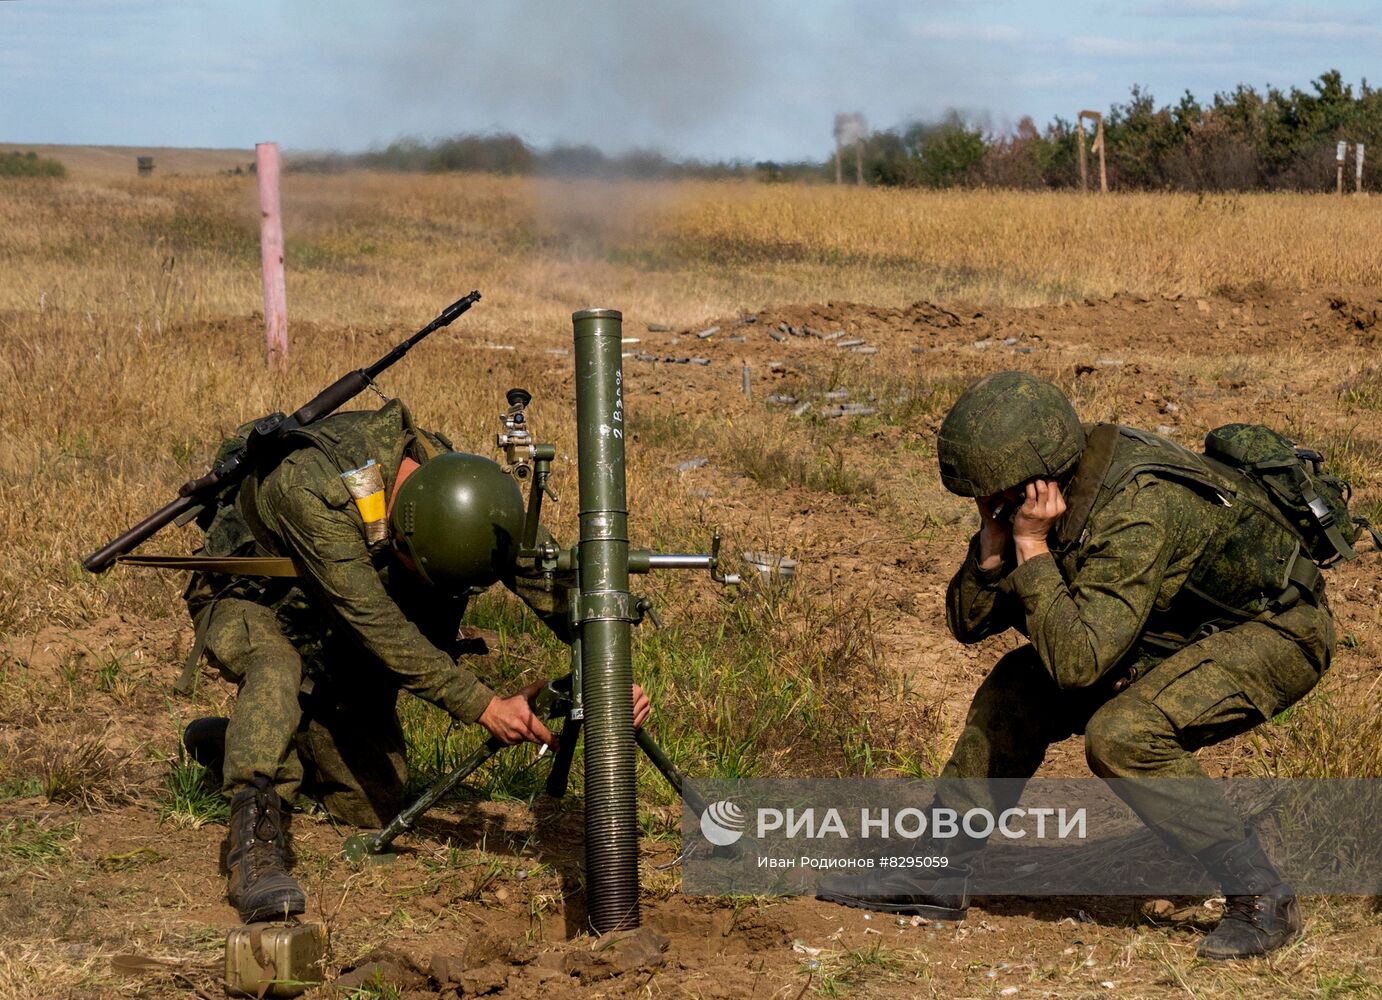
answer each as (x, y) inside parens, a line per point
(1253, 562)
(230, 522)
(238, 554)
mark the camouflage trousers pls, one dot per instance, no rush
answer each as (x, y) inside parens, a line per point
(341, 743)
(1218, 687)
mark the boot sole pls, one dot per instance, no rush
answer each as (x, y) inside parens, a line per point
(1237, 956)
(289, 905)
(885, 905)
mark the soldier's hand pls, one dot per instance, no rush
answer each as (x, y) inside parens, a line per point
(1036, 517)
(642, 707)
(512, 719)
(994, 532)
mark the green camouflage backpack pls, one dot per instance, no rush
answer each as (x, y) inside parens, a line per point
(1313, 503)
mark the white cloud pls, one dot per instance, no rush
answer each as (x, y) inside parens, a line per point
(964, 31)
(1142, 48)
(1197, 8)
(1315, 29)
(1056, 78)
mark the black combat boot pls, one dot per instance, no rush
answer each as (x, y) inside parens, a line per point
(1261, 913)
(260, 886)
(935, 893)
(205, 740)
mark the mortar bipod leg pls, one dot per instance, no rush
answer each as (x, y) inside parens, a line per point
(360, 845)
(669, 770)
(561, 764)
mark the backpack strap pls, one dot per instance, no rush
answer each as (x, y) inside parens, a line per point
(1319, 510)
(1324, 517)
(1304, 582)
(186, 683)
(1087, 484)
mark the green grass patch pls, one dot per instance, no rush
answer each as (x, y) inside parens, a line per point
(377, 989)
(841, 972)
(20, 787)
(748, 689)
(32, 842)
(1363, 391)
(436, 744)
(1322, 736)
(1370, 509)
(190, 796)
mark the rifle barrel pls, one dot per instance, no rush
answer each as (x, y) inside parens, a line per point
(324, 403)
(445, 318)
(104, 557)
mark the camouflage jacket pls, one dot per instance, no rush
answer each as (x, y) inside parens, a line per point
(1153, 558)
(352, 609)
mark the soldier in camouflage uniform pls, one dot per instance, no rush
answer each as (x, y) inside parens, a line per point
(1158, 623)
(319, 658)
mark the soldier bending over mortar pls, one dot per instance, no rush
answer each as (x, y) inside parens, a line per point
(319, 658)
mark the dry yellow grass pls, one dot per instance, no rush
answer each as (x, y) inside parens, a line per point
(130, 344)
(371, 245)
(119, 372)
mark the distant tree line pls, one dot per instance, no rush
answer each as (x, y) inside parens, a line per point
(1241, 140)
(30, 165)
(505, 153)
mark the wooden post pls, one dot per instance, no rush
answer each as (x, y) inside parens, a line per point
(859, 162)
(1084, 165)
(1099, 143)
(1340, 152)
(1098, 147)
(1358, 169)
(271, 257)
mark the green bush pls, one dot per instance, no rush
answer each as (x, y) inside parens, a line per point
(30, 165)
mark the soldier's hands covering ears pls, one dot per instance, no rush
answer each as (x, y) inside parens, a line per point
(995, 531)
(1040, 510)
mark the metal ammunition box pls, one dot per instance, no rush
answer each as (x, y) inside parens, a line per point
(273, 960)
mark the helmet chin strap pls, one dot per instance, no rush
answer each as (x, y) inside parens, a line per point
(405, 469)
(402, 551)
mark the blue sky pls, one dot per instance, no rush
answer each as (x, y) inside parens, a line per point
(750, 79)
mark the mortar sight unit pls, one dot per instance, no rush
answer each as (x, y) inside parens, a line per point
(593, 579)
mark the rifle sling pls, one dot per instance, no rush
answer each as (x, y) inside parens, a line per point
(280, 566)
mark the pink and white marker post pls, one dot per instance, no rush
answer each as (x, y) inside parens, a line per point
(271, 256)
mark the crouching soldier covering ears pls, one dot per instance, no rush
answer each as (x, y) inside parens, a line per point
(319, 659)
(1157, 624)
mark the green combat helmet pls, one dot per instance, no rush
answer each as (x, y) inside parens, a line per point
(1005, 429)
(459, 518)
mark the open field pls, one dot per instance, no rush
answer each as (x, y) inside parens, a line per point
(132, 343)
(117, 163)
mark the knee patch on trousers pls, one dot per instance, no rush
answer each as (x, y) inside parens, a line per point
(1124, 736)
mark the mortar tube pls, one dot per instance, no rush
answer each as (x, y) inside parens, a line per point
(611, 808)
